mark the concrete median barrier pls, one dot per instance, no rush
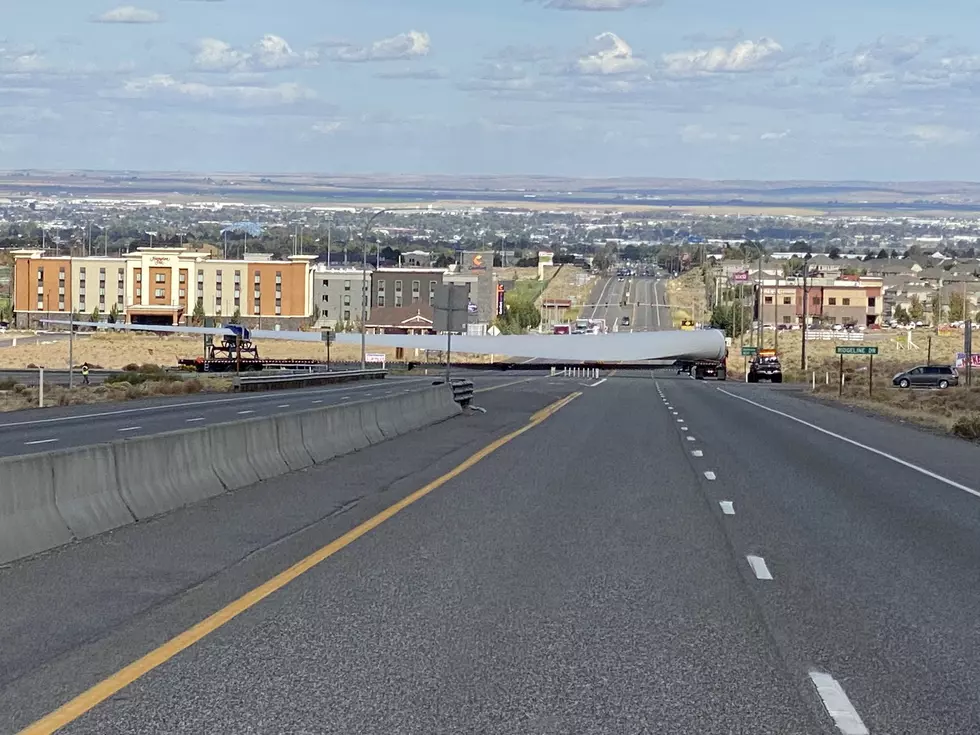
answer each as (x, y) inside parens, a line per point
(52, 498)
(29, 519)
(289, 435)
(333, 432)
(166, 471)
(86, 490)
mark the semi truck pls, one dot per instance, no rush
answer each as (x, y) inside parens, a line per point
(701, 369)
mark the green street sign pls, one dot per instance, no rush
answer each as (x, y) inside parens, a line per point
(749, 351)
(863, 350)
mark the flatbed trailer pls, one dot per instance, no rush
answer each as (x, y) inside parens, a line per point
(245, 364)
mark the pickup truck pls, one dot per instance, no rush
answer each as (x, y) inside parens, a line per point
(765, 367)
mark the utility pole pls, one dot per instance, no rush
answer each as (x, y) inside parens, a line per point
(761, 300)
(806, 263)
(364, 289)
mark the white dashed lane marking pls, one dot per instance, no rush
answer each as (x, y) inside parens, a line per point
(697, 453)
(727, 507)
(838, 705)
(39, 441)
(710, 475)
(759, 567)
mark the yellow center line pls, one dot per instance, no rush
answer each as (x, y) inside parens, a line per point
(71, 711)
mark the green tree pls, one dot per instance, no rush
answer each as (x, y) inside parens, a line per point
(236, 318)
(916, 310)
(936, 306)
(957, 311)
(882, 254)
(198, 316)
(834, 253)
(114, 313)
(901, 315)
(96, 314)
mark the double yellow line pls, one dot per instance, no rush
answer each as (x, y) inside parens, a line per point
(87, 700)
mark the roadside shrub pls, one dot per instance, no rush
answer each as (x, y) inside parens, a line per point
(139, 377)
(8, 384)
(968, 427)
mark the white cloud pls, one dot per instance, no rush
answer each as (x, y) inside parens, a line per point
(413, 44)
(168, 88)
(601, 4)
(269, 53)
(742, 57)
(614, 56)
(698, 134)
(774, 136)
(327, 128)
(129, 14)
(938, 135)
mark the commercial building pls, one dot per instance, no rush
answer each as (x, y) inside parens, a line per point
(846, 300)
(335, 294)
(163, 285)
(402, 300)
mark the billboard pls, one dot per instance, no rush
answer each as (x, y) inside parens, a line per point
(480, 263)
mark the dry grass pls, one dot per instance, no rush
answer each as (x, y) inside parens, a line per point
(114, 351)
(568, 283)
(20, 397)
(893, 355)
(686, 296)
(955, 410)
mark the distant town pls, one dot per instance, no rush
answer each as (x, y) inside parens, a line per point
(918, 262)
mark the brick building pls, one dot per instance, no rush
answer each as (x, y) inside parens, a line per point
(845, 300)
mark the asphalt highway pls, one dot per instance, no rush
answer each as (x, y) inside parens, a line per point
(655, 555)
(41, 430)
(646, 305)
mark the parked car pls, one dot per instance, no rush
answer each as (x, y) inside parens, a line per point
(927, 376)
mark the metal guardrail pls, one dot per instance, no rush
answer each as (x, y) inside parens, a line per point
(246, 383)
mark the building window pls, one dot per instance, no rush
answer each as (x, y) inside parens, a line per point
(182, 293)
(347, 285)
(346, 299)
(432, 292)
(278, 310)
(217, 276)
(183, 277)
(398, 299)
(768, 299)
(139, 276)
(238, 277)
(278, 276)
(257, 294)
(847, 302)
(81, 272)
(832, 301)
(40, 306)
(158, 293)
(40, 274)
(161, 278)
(40, 290)
(871, 302)
(381, 301)
(326, 298)
(347, 316)
(325, 283)
(416, 291)
(139, 292)
(816, 301)
(787, 300)
(101, 272)
(258, 276)
(398, 287)
(119, 299)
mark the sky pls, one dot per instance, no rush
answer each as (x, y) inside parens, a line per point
(714, 89)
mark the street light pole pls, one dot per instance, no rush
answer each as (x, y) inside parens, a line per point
(365, 291)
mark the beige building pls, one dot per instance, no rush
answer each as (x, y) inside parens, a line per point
(163, 285)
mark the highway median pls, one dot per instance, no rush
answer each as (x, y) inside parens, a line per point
(54, 498)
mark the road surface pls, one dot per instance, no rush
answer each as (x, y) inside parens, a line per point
(659, 555)
(41, 430)
(646, 305)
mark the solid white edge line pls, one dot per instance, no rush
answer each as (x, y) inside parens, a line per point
(131, 428)
(191, 421)
(697, 453)
(245, 413)
(758, 565)
(838, 704)
(886, 455)
(596, 385)
(710, 475)
(727, 507)
(39, 441)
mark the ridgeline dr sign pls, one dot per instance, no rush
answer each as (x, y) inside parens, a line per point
(863, 350)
